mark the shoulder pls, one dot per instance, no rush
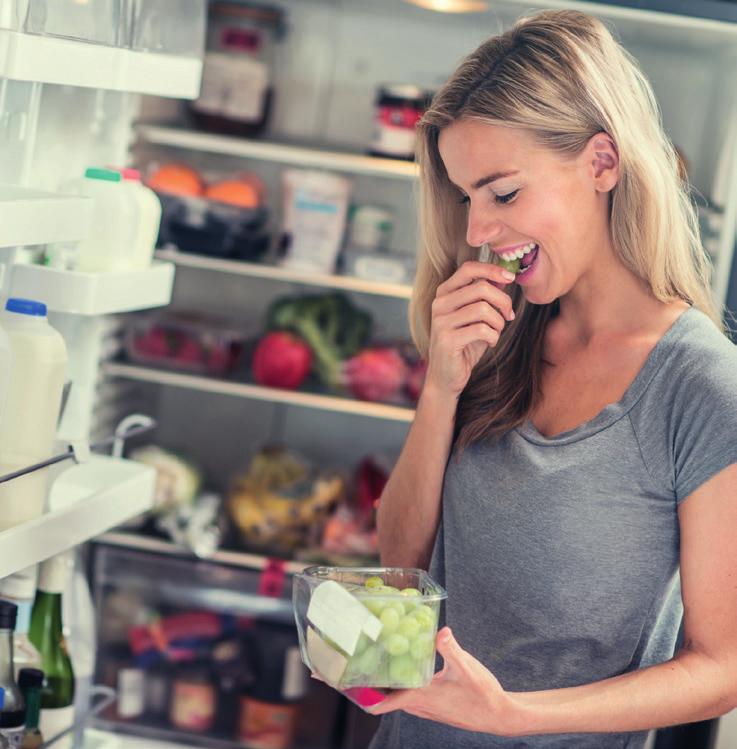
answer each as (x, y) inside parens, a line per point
(702, 361)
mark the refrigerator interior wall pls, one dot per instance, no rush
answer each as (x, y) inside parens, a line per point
(336, 55)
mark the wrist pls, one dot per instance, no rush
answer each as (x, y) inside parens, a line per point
(437, 400)
(518, 718)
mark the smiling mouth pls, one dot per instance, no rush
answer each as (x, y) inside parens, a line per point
(517, 261)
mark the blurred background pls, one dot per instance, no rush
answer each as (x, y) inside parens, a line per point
(261, 322)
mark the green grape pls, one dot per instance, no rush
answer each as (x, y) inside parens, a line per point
(390, 619)
(403, 669)
(396, 644)
(408, 594)
(375, 606)
(389, 589)
(423, 647)
(511, 265)
(374, 582)
(369, 660)
(425, 616)
(409, 627)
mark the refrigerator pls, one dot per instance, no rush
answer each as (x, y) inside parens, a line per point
(112, 82)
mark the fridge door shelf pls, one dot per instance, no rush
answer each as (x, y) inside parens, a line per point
(86, 500)
(30, 217)
(46, 59)
(77, 293)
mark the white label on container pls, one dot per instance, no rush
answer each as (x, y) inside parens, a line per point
(380, 269)
(54, 721)
(294, 686)
(324, 660)
(14, 735)
(131, 692)
(339, 616)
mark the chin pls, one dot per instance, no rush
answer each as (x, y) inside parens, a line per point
(539, 296)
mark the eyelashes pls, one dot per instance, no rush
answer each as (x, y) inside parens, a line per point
(499, 199)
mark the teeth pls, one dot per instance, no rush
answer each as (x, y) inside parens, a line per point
(520, 253)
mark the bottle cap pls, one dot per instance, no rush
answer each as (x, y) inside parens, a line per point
(26, 307)
(128, 173)
(30, 678)
(8, 615)
(107, 175)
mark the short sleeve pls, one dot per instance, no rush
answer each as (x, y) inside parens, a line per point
(703, 422)
(686, 421)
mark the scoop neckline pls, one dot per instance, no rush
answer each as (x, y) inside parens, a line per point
(615, 411)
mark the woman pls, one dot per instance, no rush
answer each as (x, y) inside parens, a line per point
(571, 472)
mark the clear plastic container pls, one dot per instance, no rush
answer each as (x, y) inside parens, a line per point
(170, 27)
(99, 21)
(364, 630)
(189, 343)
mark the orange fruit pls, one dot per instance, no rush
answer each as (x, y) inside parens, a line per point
(234, 192)
(176, 179)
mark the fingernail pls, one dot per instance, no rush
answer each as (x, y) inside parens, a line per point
(512, 315)
(508, 275)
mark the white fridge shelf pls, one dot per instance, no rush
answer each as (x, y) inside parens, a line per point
(36, 217)
(85, 501)
(79, 293)
(46, 59)
(281, 153)
(258, 392)
(287, 275)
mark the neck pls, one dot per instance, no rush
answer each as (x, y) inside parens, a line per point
(608, 300)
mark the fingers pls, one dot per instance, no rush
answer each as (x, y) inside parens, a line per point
(474, 313)
(471, 271)
(482, 291)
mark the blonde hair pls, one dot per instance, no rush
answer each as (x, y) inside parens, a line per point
(561, 77)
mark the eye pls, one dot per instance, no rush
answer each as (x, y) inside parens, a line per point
(465, 200)
(508, 198)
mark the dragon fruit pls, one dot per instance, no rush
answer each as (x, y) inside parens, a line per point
(375, 374)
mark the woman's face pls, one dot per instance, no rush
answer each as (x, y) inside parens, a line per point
(519, 193)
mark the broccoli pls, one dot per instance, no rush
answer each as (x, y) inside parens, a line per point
(333, 328)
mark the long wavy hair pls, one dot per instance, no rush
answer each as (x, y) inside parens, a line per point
(561, 77)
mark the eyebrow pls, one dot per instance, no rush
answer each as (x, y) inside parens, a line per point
(492, 178)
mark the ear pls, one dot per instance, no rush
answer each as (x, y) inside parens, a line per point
(604, 162)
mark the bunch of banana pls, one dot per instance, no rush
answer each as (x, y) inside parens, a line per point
(278, 501)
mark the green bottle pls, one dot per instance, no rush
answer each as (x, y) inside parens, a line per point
(57, 696)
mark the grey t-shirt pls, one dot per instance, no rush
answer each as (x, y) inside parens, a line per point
(561, 555)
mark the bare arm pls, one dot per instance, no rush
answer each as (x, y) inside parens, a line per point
(410, 508)
(469, 313)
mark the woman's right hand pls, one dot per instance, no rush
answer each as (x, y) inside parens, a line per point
(469, 313)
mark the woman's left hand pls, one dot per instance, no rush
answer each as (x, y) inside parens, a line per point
(464, 694)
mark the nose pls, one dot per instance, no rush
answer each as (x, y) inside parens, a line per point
(482, 227)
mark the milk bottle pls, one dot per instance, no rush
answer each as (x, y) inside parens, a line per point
(148, 218)
(28, 425)
(110, 245)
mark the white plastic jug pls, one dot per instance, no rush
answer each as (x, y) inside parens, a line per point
(148, 207)
(110, 245)
(28, 426)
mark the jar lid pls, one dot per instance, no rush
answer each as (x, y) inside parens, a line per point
(406, 91)
(234, 9)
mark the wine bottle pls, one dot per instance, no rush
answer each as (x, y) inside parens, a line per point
(57, 696)
(13, 713)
